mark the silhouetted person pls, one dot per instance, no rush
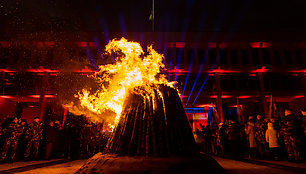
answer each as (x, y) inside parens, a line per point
(33, 135)
(51, 135)
(288, 130)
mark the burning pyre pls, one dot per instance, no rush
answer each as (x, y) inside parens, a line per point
(150, 120)
(134, 70)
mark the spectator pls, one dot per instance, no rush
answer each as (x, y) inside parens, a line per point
(250, 132)
(51, 135)
(234, 138)
(260, 130)
(10, 139)
(272, 138)
(33, 135)
(288, 130)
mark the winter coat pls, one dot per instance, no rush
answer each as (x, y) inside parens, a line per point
(272, 136)
(250, 132)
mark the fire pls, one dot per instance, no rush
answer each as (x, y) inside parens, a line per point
(133, 69)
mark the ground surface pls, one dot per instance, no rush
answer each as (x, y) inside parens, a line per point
(231, 166)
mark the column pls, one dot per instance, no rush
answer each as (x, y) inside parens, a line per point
(219, 97)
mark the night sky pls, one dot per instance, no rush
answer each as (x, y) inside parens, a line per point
(170, 15)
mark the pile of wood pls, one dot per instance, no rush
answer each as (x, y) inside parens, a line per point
(152, 124)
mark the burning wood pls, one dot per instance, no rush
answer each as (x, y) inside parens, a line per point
(152, 124)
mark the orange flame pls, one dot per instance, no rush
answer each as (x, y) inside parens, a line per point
(133, 69)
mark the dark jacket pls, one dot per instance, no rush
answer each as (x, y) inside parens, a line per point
(51, 134)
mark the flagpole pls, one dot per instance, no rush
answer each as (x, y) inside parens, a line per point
(153, 15)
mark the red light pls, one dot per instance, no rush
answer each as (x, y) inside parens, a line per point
(222, 71)
(91, 44)
(263, 70)
(223, 96)
(5, 44)
(82, 44)
(6, 70)
(41, 69)
(39, 44)
(180, 44)
(177, 71)
(255, 44)
(299, 71)
(206, 105)
(85, 70)
(252, 75)
(223, 45)
(212, 45)
(244, 96)
(49, 43)
(6, 96)
(266, 45)
(34, 96)
(299, 96)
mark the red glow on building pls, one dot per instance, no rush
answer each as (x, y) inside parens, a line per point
(91, 44)
(5, 44)
(299, 71)
(82, 44)
(244, 96)
(223, 96)
(85, 70)
(223, 45)
(180, 44)
(49, 43)
(6, 70)
(39, 44)
(212, 45)
(38, 96)
(266, 45)
(41, 70)
(174, 70)
(299, 96)
(206, 105)
(255, 44)
(222, 71)
(6, 96)
(262, 70)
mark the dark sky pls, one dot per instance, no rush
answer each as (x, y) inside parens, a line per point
(171, 15)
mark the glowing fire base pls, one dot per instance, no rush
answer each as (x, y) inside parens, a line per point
(152, 136)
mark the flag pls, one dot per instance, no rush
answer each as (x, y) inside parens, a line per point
(216, 115)
(151, 15)
(239, 112)
(271, 107)
(273, 111)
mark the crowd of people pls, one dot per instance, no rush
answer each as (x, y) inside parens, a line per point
(258, 138)
(35, 141)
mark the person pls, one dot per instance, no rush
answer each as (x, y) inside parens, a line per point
(234, 138)
(250, 132)
(288, 131)
(10, 139)
(260, 130)
(221, 137)
(272, 138)
(33, 135)
(20, 145)
(51, 134)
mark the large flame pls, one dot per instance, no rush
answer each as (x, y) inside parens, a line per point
(133, 68)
